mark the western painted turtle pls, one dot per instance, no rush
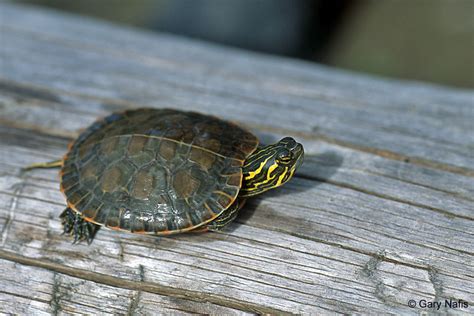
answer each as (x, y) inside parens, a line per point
(164, 171)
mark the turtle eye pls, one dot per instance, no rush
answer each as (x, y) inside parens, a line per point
(284, 156)
(288, 142)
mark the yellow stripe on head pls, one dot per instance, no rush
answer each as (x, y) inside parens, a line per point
(271, 166)
(252, 174)
(269, 176)
(280, 179)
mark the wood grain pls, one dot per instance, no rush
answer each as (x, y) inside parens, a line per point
(380, 212)
(30, 290)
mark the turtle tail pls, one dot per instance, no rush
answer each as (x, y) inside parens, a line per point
(52, 164)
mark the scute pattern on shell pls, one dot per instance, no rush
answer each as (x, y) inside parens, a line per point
(155, 171)
(212, 133)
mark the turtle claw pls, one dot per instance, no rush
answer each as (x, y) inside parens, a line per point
(67, 220)
(76, 226)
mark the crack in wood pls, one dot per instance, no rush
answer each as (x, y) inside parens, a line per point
(370, 271)
(230, 274)
(26, 297)
(438, 286)
(121, 250)
(55, 295)
(134, 306)
(23, 92)
(143, 286)
(334, 244)
(11, 211)
(361, 251)
(31, 198)
(383, 196)
(142, 272)
(436, 282)
(421, 185)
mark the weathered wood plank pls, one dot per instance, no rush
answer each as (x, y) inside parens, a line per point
(323, 104)
(438, 247)
(397, 180)
(300, 279)
(381, 212)
(29, 290)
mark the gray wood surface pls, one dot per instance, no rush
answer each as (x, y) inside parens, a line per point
(381, 211)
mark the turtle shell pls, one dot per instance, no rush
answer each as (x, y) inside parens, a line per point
(156, 171)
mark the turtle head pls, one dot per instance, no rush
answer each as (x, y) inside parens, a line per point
(271, 166)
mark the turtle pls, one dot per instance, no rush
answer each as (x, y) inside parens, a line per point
(166, 171)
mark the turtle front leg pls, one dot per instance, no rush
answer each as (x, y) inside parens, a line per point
(226, 217)
(75, 225)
